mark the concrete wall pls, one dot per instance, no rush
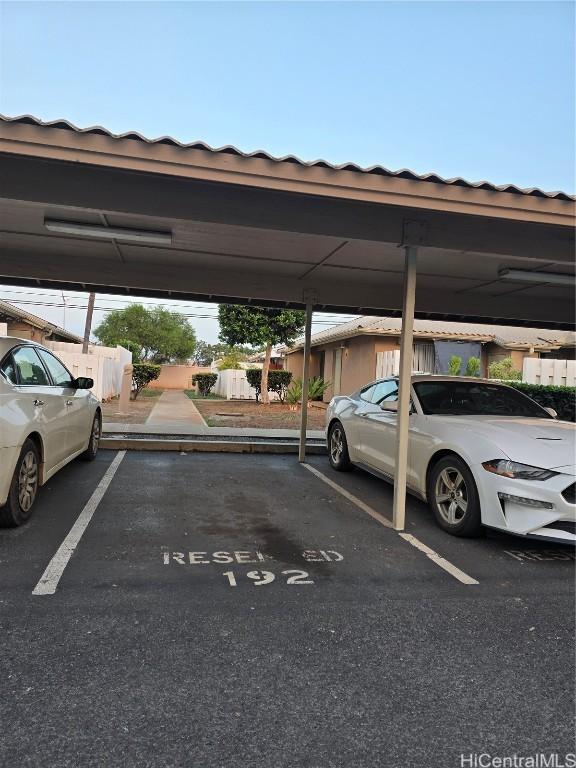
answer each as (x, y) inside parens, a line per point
(177, 376)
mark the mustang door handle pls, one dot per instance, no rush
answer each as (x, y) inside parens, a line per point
(39, 402)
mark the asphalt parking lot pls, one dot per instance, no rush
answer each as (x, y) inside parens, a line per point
(236, 610)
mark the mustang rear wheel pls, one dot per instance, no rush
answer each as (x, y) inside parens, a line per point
(338, 448)
(453, 496)
(23, 488)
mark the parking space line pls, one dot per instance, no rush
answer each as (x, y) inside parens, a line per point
(449, 567)
(350, 496)
(49, 580)
(440, 561)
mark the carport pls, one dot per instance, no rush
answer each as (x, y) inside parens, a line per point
(83, 209)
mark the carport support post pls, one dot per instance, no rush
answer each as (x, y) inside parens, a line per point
(403, 415)
(305, 382)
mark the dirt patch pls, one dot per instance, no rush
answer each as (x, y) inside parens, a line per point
(138, 411)
(247, 413)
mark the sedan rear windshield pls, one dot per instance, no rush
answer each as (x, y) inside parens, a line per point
(466, 398)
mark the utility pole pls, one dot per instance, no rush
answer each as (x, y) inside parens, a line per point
(88, 326)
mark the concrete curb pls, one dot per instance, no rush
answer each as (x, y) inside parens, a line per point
(204, 446)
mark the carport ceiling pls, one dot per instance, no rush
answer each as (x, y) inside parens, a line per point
(279, 232)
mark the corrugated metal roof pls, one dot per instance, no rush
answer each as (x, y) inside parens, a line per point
(505, 336)
(10, 310)
(378, 170)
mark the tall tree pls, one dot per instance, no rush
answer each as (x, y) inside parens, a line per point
(259, 326)
(162, 336)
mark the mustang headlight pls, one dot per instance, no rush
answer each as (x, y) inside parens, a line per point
(508, 468)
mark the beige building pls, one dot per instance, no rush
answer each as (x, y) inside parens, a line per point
(17, 322)
(354, 353)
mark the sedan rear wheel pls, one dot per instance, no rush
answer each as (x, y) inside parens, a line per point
(23, 488)
(338, 448)
(453, 496)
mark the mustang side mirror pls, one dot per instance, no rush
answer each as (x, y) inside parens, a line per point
(83, 382)
(552, 412)
(389, 405)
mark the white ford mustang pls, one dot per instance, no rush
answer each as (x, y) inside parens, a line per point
(481, 453)
(47, 418)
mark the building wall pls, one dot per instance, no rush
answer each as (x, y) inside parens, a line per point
(25, 331)
(359, 360)
(295, 363)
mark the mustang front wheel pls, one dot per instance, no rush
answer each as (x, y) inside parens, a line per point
(453, 496)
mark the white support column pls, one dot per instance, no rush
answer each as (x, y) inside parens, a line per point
(403, 417)
(305, 382)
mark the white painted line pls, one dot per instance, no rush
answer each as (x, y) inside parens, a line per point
(350, 496)
(53, 573)
(438, 559)
(434, 556)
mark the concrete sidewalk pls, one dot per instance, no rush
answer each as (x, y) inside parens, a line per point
(176, 414)
(174, 410)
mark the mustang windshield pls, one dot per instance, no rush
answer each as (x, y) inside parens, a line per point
(466, 398)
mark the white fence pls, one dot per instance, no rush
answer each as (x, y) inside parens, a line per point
(103, 364)
(561, 373)
(233, 385)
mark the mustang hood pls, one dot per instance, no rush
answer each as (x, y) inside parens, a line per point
(542, 443)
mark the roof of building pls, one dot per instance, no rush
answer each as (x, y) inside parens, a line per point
(15, 313)
(379, 170)
(506, 336)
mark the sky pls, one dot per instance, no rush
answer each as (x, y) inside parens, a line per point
(483, 90)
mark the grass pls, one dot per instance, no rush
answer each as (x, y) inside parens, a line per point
(193, 395)
(150, 392)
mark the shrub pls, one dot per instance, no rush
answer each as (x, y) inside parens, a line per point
(504, 370)
(204, 382)
(562, 399)
(294, 392)
(142, 375)
(278, 381)
(454, 366)
(316, 388)
(473, 366)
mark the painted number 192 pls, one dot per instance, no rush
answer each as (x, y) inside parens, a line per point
(259, 578)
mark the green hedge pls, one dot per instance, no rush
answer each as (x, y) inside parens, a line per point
(278, 381)
(562, 399)
(142, 375)
(204, 382)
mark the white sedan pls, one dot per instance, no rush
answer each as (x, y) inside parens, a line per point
(480, 453)
(47, 418)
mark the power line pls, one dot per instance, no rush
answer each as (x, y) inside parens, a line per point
(98, 308)
(128, 300)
